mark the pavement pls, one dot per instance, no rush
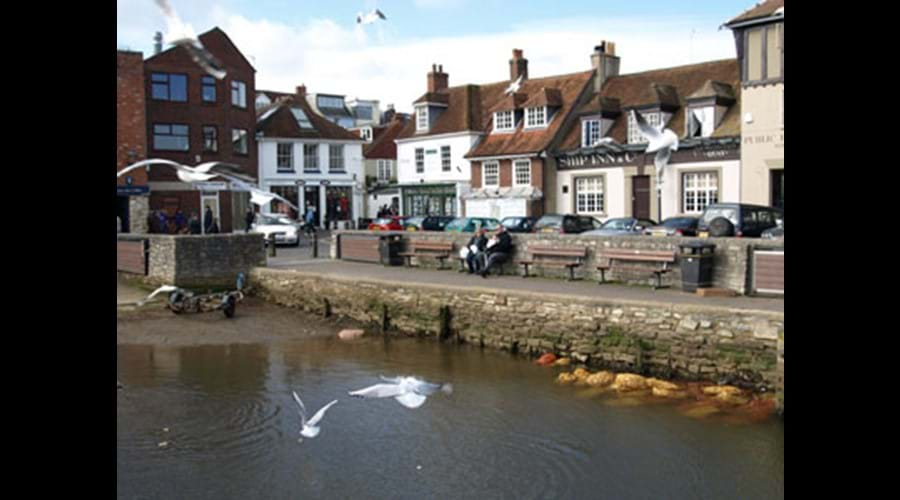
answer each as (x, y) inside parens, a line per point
(300, 260)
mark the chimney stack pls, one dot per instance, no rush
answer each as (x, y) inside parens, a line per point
(518, 66)
(158, 38)
(437, 79)
(605, 63)
(301, 90)
(388, 115)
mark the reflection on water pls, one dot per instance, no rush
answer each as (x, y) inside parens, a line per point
(507, 431)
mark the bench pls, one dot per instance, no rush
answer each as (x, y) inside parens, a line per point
(549, 256)
(463, 266)
(606, 258)
(436, 249)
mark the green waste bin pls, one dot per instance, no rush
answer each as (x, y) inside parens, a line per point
(696, 265)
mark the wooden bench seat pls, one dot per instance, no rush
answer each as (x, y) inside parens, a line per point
(607, 258)
(551, 257)
(434, 249)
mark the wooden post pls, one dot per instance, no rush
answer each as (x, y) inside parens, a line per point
(444, 329)
(327, 309)
(272, 245)
(315, 244)
(385, 320)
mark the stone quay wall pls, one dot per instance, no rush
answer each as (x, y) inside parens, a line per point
(200, 260)
(672, 341)
(731, 267)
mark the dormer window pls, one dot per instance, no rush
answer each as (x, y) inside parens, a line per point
(504, 121)
(590, 132)
(421, 118)
(701, 121)
(366, 133)
(536, 117)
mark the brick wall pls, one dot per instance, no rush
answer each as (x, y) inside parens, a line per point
(131, 126)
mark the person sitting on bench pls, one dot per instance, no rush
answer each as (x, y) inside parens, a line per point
(475, 257)
(498, 252)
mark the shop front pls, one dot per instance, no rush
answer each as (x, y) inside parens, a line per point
(435, 199)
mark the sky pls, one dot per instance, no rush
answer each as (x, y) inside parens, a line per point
(318, 43)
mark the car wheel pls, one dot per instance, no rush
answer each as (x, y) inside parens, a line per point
(720, 226)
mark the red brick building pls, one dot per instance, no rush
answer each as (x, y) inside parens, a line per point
(194, 118)
(131, 141)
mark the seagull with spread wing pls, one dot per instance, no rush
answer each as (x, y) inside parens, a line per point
(162, 289)
(370, 18)
(183, 34)
(662, 141)
(310, 427)
(258, 196)
(200, 173)
(411, 392)
(514, 86)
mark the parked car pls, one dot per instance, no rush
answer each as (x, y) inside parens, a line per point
(519, 224)
(392, 223)
(429, 223)
(622, 226)
(774, 233)
(737, 219)
(470, 224)
(675, 226)
(566, 224)
(286, 230)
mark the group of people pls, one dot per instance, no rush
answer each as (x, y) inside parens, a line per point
(337, 208)
(160, 223)
(387, 211)
(483, 253)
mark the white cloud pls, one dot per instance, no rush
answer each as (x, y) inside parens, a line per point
(377, 63)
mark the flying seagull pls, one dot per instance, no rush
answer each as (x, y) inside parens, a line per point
(514, 86)
(258, 196)
(608, 142)
(200, 173)
(369, 18)
(162, 289)
(663, 142)
(183, 34)
(310, 429)
(411, 392)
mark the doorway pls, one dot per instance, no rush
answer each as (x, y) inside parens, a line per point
(778, 188)
(640, 196)
(311, 195)
(210, 199)
(122, 213)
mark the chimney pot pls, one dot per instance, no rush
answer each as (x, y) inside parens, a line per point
(301, 90)
(437, 79)
(605, 63)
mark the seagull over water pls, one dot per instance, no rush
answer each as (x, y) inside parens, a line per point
(310, 427)
(369, 18)
(411, 392)
(662, 141)
(183, 34)
(162, 289)
(201, 173)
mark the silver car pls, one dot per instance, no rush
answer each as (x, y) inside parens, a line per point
(622, 226)
(286, 231)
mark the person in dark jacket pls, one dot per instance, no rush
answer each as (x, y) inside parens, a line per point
(194, 224)
(163, 222)
(207, 218)
(476, 245)
(214, 227)
(248, 219)
(179, 221)
(498, 252)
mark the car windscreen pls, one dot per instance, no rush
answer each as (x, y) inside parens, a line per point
(272, 221)
(382, 221)
(711, 213)
(549, 221)
(618, 224)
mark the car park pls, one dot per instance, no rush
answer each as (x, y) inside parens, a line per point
(566, 224)
(622, 226)
(470, 224)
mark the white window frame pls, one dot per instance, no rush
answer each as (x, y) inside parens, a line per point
(484, 173)
(531, 115)
(446, 161)
(584, 198)
(516, 166)
(634, 133)
(420, 160)
(384, 170)
(421, 117)
(241, 96)
(703, 190)
(336, 161)
(311, 161)
(587, 139)
(706, 127)
(279, 156)
(366, 133)
(504, 121)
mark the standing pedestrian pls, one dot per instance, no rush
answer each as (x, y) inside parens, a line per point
(207, 218)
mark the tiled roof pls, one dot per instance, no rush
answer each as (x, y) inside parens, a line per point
(665, 88)
(276, 120)
(383, 145)
(462, 113)
(760, 10)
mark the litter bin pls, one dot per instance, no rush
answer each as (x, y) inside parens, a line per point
(696, 265)
(390, 247)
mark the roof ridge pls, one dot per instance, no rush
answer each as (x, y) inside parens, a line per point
(506, 82)
(682, 67)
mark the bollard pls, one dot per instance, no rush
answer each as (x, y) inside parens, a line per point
(444, 320)
(272, 245)
(315, 245)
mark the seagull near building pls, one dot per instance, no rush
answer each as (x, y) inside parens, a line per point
(201, 173)
(183, 34)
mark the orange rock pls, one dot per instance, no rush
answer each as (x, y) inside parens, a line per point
(565, 378)
(601, 379)
(629, 382)
(350, 334)
(581, 374)
(562, 362)
(662, 384)
(547, 359)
